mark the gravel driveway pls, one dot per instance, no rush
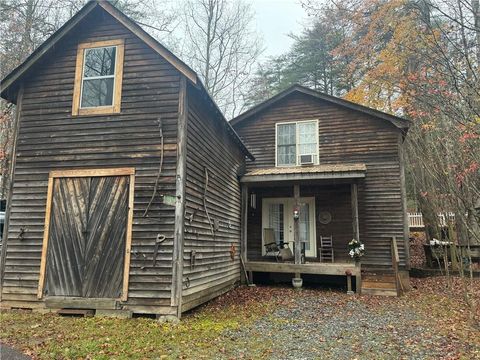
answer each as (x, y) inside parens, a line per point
(331, 325)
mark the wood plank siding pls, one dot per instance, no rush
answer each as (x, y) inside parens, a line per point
(50, 138)
(208, 266)
(346, 136)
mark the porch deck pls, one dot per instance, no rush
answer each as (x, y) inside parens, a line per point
(307, 268)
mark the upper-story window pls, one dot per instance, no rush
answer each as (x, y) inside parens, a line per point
(297, 143)
(98, 78)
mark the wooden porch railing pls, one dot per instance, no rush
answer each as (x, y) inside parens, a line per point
(395, 264)
(415, 219)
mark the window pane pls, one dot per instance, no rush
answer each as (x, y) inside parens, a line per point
(286, 144)
(307, 138)
(286, 134)
(276, 221)
(99, 62)
(98, 92)
(304, 225)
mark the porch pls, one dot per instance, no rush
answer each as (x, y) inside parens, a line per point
(302, 209)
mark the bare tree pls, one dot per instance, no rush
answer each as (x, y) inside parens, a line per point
(222, 46)
(25, 24)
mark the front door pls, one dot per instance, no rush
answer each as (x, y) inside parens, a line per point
(277, 214)
(86, 245)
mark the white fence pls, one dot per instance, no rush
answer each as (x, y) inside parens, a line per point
(415, 220)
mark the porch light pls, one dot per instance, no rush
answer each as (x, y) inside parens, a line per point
(253, 200)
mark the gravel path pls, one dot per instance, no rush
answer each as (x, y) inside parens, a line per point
(330, 325)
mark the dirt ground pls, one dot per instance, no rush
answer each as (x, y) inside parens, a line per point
(270, 322)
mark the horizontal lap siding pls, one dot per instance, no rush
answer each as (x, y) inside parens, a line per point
(51, 139)
(209, 145)
(345, 136)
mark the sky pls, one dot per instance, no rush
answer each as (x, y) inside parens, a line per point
(275, 19)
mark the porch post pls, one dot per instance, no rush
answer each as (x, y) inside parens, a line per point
(296, 227)
(355, 225)
(243, 231)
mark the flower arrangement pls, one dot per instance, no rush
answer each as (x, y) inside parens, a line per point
(356, 249)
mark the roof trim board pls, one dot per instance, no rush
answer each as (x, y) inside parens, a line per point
(399, 122)
(16, 75)
(48, 44)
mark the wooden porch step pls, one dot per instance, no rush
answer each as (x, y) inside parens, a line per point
(379, 284)
(76, 312)
(379, 292)
(379, 278)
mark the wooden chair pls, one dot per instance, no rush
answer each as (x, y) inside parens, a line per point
(281, 251)
(326, 249)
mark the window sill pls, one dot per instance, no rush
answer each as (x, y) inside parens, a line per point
(101, 110)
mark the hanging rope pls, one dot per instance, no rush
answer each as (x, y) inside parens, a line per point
(157, 180)
(205, 202)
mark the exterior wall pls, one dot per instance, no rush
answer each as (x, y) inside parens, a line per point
(334, 198)
(345, 136)
(51, 139)
(210, 146)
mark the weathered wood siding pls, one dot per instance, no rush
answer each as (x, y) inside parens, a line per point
(345, 136)
(210, 147)
(333, 198)
(51, 139)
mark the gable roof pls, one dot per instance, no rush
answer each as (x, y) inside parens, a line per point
(9, 82)
(17, 74)
(399, 122)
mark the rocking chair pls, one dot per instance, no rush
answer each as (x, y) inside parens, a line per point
(281, 251)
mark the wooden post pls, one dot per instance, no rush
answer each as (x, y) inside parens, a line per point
(358, 278)
(349, 285)
(296, 227)
(244, 221)
(11, 175)
(355, 224)
(177, 270)
(403, 188)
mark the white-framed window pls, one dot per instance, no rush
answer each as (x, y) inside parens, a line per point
(294, 139)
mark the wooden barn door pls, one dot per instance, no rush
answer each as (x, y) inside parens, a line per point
(86, 241)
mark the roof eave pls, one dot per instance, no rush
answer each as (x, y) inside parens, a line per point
(400, 123)
(15, 75)
(8, 81)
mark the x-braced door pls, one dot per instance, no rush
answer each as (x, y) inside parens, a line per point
(87, 234)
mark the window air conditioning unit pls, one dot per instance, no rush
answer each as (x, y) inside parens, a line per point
(306, 159)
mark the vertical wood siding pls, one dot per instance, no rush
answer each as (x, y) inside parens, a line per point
(345, 136)
(51, 139)
(209, 146)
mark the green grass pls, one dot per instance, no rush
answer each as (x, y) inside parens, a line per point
(200, 335)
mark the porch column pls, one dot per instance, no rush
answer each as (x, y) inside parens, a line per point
(296, 227)
(243, 230)
(355, 225)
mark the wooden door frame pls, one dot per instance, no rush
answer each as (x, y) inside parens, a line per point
(56, 174)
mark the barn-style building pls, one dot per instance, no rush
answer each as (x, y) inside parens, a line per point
(132, 193)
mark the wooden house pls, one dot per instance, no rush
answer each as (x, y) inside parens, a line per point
(326, 171)
(125, 192)
(131, 192)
